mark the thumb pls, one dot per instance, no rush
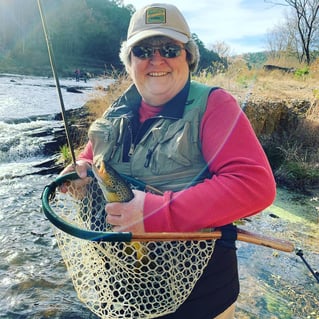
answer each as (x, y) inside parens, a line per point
(81, 170)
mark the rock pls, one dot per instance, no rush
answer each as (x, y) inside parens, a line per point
(47, 163)
(73, 89)
(78, 126)
(268, 117)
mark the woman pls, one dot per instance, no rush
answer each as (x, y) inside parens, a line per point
(192, 142)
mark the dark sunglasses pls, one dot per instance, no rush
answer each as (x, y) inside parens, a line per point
(166, 51)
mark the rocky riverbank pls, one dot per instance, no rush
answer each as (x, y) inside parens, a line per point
(78, 123)
(289, 132)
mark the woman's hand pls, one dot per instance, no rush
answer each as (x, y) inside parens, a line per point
(127, 216)
(77, 187)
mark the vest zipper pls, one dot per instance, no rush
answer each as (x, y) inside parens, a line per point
(120, 137)
(149, 156)
(132, 145)
(131, 151)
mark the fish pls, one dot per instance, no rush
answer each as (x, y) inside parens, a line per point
(116, 189)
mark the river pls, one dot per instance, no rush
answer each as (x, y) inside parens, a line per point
(33, 279)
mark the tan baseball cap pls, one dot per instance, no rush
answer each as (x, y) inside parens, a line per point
(158, 19)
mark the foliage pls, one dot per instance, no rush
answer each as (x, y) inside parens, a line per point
(316, 93)
(314, 67)
(297, 176)
(85, 34)
(300, 32)
(65, 155)
(208, 58)
(302, 72)
(98, 105)
(294, 155)
(255, 60)
(79, 30)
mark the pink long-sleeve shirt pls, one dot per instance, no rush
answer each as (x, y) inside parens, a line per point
(242, 182)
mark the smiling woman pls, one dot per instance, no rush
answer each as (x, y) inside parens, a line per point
(158, 78)
(164, 71)
(194, 144)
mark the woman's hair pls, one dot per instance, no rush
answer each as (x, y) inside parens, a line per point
(192, 52)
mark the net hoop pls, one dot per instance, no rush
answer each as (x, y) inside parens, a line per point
(69, 228)
(113, 275)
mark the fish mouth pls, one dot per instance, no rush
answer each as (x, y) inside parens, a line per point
(103, 186)
(96, 173)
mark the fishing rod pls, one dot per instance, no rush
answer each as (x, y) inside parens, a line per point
(299, 253)
(57, 83)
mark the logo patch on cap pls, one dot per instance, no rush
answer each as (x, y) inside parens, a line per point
(155, 15)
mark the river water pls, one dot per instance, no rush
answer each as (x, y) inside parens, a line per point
(33, 279)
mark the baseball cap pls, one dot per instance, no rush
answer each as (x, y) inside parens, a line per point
(158, 19)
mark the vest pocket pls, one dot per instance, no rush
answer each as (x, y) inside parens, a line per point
(103, 136)
(167, 149)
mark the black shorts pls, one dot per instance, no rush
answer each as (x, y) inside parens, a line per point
(216, 289)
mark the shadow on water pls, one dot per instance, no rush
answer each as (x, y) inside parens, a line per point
(277, 284)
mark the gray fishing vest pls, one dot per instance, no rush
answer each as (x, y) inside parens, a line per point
(168, 156)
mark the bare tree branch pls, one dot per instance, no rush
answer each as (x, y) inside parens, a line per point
(305, 13)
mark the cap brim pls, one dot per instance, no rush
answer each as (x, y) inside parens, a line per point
(157, 32)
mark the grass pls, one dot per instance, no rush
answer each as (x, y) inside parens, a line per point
(65, 154)
(99, 104)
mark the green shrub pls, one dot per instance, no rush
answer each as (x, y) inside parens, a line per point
(302, 72)
(299, 176)
(65, 154)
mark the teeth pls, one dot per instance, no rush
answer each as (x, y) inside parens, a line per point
(157, 73)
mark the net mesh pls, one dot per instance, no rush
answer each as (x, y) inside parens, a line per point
(124, 280)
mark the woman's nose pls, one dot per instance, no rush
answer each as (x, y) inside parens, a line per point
(156, 56)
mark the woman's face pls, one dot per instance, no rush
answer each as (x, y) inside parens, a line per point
(158, 79)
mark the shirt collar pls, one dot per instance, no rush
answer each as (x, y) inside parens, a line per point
(175, 107)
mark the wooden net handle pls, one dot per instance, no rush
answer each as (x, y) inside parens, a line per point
(242, 235)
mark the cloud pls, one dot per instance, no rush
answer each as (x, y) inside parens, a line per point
(236, 22)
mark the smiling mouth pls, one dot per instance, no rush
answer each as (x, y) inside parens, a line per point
(157, 74)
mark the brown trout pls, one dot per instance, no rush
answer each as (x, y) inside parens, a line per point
(116, 189)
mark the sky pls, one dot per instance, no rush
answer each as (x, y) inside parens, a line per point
(241, 24)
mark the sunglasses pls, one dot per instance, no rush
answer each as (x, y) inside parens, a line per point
(166, 51)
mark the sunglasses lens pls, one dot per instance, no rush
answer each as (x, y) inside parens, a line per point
(170, 51)
(166, 51)
(142, 52)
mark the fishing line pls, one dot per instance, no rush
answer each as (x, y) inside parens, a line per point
(57, 83)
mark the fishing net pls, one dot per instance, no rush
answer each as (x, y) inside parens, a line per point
(119, 279)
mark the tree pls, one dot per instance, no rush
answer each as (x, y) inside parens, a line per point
(283, 41)
(207, 57)
(221, 48)
(305, 15)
